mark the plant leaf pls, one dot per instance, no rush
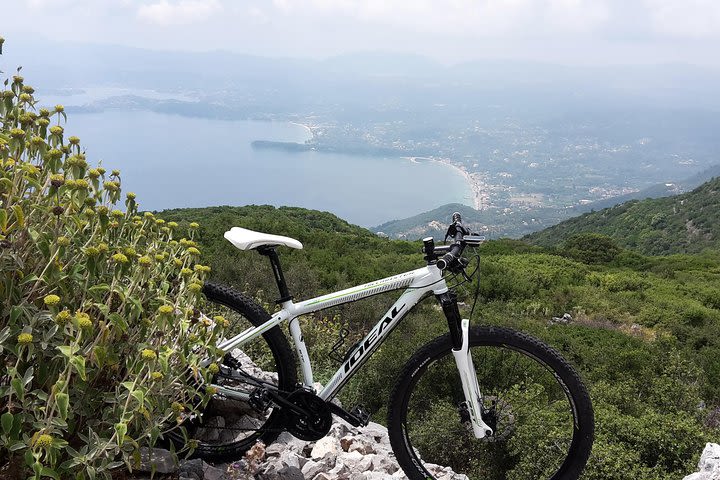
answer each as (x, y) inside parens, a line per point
(7, 422)
(121, 430)
(79, 363)
(19, 216)
(63, 401)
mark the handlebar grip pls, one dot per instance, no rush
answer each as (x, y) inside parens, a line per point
(449, 257)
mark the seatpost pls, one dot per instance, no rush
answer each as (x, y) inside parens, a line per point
(269, 251)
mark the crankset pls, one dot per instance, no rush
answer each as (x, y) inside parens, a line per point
(307, 416)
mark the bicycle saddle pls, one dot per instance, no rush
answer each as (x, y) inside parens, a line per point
(245, 239)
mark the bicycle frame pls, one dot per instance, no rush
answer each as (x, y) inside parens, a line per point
(417, 284)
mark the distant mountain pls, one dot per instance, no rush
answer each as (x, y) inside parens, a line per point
(686, 223)
(656, 191)
(493, 222)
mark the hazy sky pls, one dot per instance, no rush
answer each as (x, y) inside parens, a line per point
(561, 31)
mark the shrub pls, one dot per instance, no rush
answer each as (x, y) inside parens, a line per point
(591, 248)
(97, 329)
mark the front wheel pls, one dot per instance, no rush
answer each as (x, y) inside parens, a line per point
(536, 404)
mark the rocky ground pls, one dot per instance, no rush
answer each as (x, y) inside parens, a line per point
(346, 453)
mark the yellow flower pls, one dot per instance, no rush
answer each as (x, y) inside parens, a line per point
(83, 320)
(120, 258)
(211, 390)
(166, 309)
(193, 251)
(93, 173)
(43, 441)
(177, 262)
(102, 247)
(220, 320)
(159, 221)
(213, 368)
(130, 251)
(186, 272)
(74, 140)
(131, 196)
(51, 300)
(111, 186)
(56, 130)
(63, 241)
(148, 354)
(25, 338)
(92, 251)
(59, 108)
(172, 224)
(177, 407)
(148, 215)
(194, 225)
(62, 317)
(195, 287)
(160, 257)
(156, 375)
(117, 214)
(145, 261)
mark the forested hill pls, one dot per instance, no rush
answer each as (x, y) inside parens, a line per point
(686, 223)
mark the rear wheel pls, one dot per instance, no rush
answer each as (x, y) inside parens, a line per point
(534, 401)
(227, 427)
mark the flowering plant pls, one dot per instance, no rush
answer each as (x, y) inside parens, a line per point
(98, 330)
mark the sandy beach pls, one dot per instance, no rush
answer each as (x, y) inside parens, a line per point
(480, 195)
(311, 135)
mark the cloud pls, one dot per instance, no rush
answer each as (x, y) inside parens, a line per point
(689, 18)
(178, 13)
(475, 17)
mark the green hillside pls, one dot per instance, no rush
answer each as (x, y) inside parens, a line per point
(687, 223)
(645, 332)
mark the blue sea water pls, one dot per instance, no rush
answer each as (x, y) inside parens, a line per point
(173, 161)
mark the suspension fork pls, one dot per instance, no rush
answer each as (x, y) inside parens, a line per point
(460, 338)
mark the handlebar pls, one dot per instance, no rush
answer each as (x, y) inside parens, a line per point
(453, 253)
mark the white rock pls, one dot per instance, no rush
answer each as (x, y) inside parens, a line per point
(312, 468)
(709, 464)
(710, 458)
(324, 446)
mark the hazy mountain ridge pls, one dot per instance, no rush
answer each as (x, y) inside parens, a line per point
(495, 223)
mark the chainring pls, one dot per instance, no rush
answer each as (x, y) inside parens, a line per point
(315, 421)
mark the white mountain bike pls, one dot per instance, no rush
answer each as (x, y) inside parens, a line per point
(489, 402)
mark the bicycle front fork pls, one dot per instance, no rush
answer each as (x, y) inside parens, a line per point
(460, 337)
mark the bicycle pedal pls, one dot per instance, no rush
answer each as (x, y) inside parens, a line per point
(361, 413)
(357, 417)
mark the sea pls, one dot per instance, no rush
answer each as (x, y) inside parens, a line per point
(172, 161)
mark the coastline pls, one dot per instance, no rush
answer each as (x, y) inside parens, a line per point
(306, 127)
(478, 194)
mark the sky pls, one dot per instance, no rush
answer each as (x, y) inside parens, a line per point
(572, 32)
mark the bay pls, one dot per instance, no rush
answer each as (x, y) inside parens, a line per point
(171, 161)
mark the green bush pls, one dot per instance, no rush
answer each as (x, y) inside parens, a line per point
(591, 248)
(97, 327)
